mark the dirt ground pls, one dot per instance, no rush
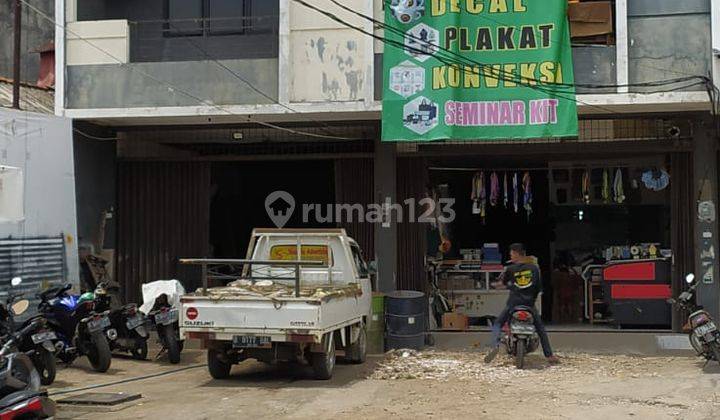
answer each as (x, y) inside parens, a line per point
(408, 385)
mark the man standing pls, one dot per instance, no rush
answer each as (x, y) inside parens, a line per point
(522, 278)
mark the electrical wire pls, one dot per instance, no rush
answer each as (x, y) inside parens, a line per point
(175, 88)
(494, 73)
(521, 80)
(90, 136)
(243, 79)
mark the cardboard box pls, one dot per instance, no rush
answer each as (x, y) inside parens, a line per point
(454, 321)
(590, 19)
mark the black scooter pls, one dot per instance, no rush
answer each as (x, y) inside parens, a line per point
(166, 320)
(80, 330)
(20, 382)
(131, 335)
(37, 341)
(704, 335)
(520, 336)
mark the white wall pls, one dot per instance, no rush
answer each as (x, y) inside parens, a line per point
(41, 145)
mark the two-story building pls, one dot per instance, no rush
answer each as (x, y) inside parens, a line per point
(188, 113)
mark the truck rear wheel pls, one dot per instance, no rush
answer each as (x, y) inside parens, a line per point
(218, 365)
(357, 351)
(324, 363)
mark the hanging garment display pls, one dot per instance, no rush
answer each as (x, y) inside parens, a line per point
(527, 194)
(586, 187)
(506, 198)
(494, 189)
(479, 194)
(656, 180)
(475, 193)
(618, 191)
(483, 197)
(606, 186)
(515, 192)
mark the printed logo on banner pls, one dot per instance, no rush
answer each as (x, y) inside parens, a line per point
(420, 115)
(407, 79)
(407, 11)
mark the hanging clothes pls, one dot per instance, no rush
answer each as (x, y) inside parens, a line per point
(606, 186)
(586, 187)
(618, 190)
(515, 192)
(656, 180)
(494, 189)
(506, 198)
(479, 194)
(475, 193)
(527, 194)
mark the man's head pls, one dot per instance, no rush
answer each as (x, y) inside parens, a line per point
(517, 252)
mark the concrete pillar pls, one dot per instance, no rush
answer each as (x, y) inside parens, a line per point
(706, 223)
(385, 233)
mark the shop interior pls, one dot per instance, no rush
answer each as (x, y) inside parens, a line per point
(238, 193)
(600, 231)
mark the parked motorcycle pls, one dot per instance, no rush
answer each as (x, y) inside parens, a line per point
(37, 343)
(20, 382)
(80, 330)
(704, 335)
(521, 337)
(166, 319)
(160, 302)
(127, 321)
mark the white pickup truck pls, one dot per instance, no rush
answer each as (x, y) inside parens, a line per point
(300, 295)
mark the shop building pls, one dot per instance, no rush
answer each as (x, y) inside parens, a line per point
(187, 117)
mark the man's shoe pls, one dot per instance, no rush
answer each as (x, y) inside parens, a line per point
(553, 360)
(491, 354)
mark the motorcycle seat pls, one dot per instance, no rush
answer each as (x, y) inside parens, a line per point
(19, 396)
(522, 308)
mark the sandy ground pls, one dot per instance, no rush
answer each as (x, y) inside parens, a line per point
(410, 386)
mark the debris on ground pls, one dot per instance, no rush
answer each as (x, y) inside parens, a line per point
(443, 365)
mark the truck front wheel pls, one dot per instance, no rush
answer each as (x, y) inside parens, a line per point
(218, 364)
(324, 363)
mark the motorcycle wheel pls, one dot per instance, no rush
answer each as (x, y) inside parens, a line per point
(140, 351)
(99, 353)
(172, 345)
(520, 353)
(696, 344)
(44, 362)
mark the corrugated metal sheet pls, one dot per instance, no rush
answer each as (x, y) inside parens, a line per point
(163, 215)
(32, 98)
(40, 262)
(682, 202)
(412, 237)
(354, 185)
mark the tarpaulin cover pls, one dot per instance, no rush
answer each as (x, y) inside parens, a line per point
(172, 288)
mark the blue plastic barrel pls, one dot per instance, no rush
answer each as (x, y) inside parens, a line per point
(405, 319)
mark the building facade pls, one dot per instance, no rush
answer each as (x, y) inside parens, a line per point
(189, 113)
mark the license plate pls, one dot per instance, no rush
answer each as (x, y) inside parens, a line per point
(248, 341)
(522, 329)
(98, 324)
(134, 322)
(705, 329)
(43, 336)
(166, 318)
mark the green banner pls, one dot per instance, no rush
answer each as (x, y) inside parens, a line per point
(477, 69)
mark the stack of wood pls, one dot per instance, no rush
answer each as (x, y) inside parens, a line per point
(591, 22)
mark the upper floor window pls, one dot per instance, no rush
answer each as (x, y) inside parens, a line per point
(207, 17)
